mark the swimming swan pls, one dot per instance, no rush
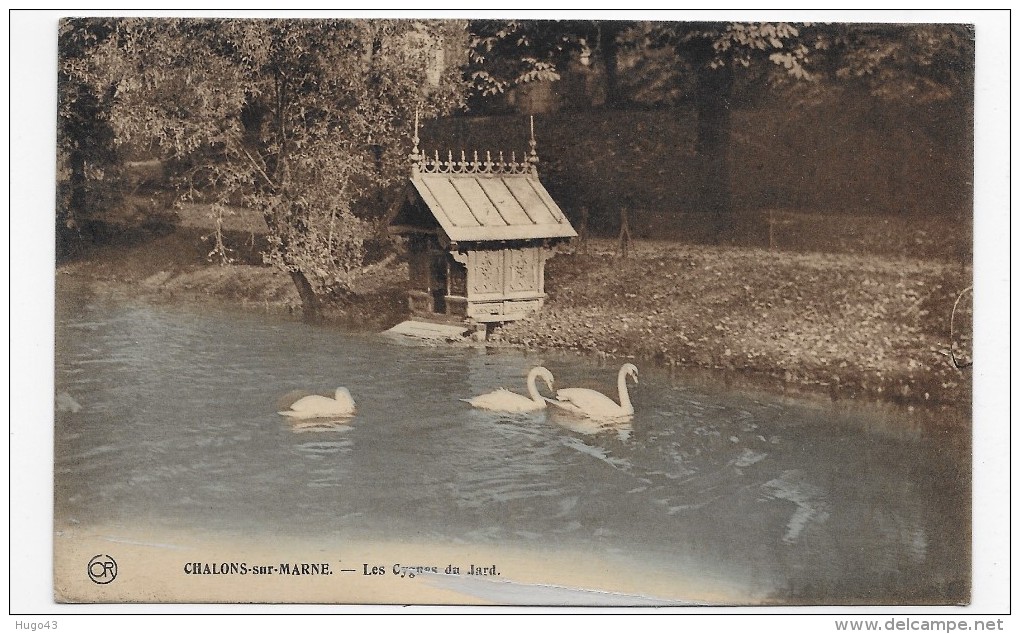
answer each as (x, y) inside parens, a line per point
(503, 400)
(592, 404)
(315, 406)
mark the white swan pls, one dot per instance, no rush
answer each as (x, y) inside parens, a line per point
(315, 406)
(585, 402)
(503, 400)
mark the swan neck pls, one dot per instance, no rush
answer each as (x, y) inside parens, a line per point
(621, 384)
(532, 388)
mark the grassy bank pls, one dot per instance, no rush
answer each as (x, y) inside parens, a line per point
(850, 325)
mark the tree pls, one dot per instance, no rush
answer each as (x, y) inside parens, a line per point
(302, 120)
(514, 52)
(897, 64)
(906, 68)
(900, 63)
(508, 53)
(85, 149)
(714, 52)
(916, 77)
(607, 42)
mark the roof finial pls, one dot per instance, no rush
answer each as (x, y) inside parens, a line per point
(533, 155)
(416, 126)
(416, 156)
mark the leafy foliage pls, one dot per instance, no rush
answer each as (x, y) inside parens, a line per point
(503, 54)
(85, 151)
(719, 45)
(303, 120)
(918, 62)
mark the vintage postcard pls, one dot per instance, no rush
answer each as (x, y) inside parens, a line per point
(616, 312)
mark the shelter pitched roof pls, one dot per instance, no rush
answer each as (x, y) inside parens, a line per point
(478, 201)
(474, 200)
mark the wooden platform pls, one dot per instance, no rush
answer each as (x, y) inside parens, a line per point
(429, 330)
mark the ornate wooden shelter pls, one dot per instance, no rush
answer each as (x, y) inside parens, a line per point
(479, 233)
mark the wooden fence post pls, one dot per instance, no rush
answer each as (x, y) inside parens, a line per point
(625, 239)
(772, 224)
(584, 230)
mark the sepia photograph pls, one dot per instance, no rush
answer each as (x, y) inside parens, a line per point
(599, 311)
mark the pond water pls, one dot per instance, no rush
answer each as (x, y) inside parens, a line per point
(794, 502)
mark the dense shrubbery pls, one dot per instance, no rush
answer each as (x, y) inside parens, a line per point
(816, 159)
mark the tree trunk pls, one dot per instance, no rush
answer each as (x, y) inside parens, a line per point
(712, 103)
(69, 229)
(70, 208)
(76, 208)
(310, 306)
(610, 57)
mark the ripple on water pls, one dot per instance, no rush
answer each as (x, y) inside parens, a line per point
(179, 427)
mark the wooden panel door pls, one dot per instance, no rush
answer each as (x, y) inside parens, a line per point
(522, 272)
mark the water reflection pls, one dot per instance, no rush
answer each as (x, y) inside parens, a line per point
(622, 427)
(811, 501)
(320, 425)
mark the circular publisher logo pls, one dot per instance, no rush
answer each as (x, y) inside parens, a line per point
(102, 569)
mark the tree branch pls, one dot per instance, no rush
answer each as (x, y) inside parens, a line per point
(240, 146)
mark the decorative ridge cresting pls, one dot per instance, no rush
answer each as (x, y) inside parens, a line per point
(423, 164)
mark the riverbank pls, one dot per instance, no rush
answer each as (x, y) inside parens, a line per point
(847, 326)
(173, 265)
